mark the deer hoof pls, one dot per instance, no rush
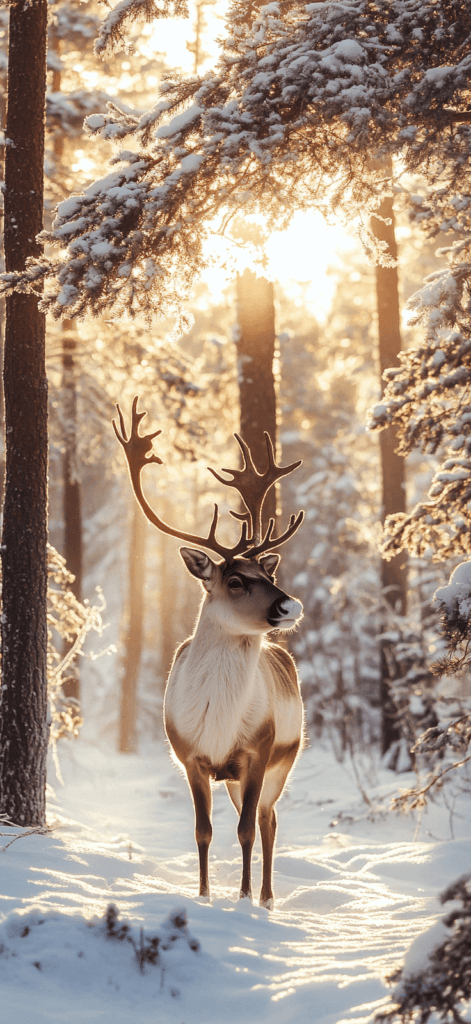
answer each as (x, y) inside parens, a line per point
(269, 904)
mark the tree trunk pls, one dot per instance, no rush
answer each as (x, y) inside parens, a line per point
(71, 497)
(3, 108)
(394, 572)
(23, 723)
(134, 633)
(168, 594)
(257, 388)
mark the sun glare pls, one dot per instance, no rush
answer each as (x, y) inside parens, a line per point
(303, 257)
(300, 259)
(170, 37)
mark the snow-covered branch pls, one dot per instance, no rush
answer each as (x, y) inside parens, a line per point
(301, 99)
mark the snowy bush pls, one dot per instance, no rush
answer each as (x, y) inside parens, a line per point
(454, 601)
(150, 949)
(71, 621)
(88, 955)
(443, 742)
(436, 977)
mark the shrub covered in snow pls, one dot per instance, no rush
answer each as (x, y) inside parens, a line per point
(454, 601)
(436, 977)
(441, 744)
(88, 955)
(70, 620)
(150, 949)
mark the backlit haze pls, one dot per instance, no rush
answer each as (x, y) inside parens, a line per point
(299, 259)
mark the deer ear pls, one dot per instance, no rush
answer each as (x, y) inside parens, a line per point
(270, 563)
(199, 564)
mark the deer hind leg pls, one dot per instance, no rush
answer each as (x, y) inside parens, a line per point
(251, 787)
(233, 789)
(273, 786)
(201, 793)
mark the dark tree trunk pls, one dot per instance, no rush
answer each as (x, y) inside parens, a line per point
(394, 572)
(3, 108)
(257, 388)
(134, 633)
(71, 497)
(23, 722)
(73, 548)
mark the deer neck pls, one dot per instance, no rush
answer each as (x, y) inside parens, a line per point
(212, 635)
(215, 700)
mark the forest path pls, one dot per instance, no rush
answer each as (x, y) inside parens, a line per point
(350, 897)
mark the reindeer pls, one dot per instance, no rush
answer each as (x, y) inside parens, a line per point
(233, 710)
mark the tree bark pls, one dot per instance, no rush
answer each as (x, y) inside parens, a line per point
(71, 496)
(3, 107)
(393, 572)
(73, 546)
(24, 730)
(257, 386)
(168, 594)
(134, 633)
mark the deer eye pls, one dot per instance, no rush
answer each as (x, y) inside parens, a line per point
(235, 584)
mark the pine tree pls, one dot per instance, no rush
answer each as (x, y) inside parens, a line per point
(301, 101)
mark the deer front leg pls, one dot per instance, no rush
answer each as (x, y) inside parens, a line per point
(251, 787)
(201, 793)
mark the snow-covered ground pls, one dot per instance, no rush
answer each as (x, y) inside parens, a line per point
(354, 885)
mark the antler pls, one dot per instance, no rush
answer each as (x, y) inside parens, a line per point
(252, 486)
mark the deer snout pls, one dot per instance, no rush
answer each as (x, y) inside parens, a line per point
(285, 612)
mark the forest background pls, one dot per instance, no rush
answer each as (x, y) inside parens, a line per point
(361, 111)
(357, 646)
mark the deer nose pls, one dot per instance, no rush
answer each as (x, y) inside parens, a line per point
(284, 609)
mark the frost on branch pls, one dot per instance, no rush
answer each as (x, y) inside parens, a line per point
(66, 111)
(427, 401)
(71, 621)
(436, 977)
(444, 747)
(454, 601)
(427, 398)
